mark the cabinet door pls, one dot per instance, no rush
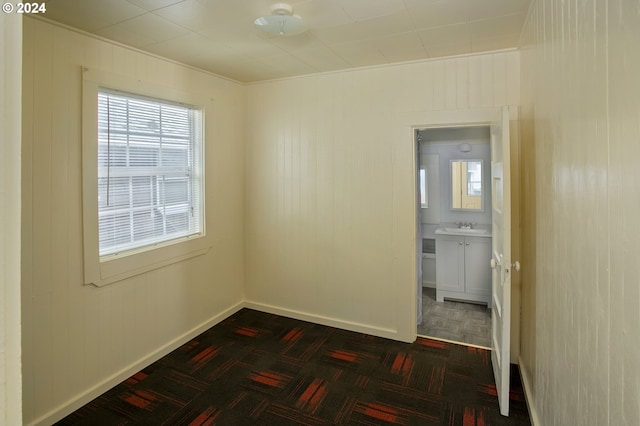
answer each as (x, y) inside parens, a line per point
(450, 263)
(478, 273)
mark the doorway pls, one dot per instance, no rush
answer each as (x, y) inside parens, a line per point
(441, 153)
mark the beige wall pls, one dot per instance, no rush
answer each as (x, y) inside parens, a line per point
(79, 340)
(330, 190)
(10, 351)
(580, 181)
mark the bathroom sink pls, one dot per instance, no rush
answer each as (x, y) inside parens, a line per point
(467, 230)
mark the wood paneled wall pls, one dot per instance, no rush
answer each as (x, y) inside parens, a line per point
(10, 101)
(581, 198)
(329, 229)
(79, 340)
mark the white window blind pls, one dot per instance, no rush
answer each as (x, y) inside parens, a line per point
(149, 171)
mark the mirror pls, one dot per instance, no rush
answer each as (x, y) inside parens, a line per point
(466, 185)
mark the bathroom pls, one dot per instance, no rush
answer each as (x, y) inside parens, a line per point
(454, 220)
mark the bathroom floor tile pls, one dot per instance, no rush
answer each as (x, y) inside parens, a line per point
(457, 321)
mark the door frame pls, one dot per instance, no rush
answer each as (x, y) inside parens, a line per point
(467, 118)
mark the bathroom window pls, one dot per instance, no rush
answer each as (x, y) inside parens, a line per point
(424, 196)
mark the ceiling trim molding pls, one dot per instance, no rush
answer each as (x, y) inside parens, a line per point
(390, 64)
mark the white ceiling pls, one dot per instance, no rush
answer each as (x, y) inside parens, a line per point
(219, 35)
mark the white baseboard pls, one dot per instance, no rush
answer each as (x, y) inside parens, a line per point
(73, 404)
(328, 321)
(528, 393)
(90, 394)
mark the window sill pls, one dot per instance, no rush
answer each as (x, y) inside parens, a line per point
(121, 268)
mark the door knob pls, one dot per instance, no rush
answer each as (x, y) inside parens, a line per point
(516, 266)
(493, 263)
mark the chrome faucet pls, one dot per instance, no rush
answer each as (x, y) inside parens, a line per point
(466, 225)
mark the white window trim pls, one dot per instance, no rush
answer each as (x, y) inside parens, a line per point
(110, 269)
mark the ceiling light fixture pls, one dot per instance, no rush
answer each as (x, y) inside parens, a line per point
(282, 21)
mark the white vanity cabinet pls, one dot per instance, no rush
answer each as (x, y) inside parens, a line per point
(462, 268)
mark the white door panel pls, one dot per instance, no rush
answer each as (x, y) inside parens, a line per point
(501, 260)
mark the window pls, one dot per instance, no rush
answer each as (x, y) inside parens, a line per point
(143, 176)
(148, 190)
(424, 196)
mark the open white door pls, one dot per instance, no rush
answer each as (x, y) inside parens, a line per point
(418, 235)
(501, 258)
